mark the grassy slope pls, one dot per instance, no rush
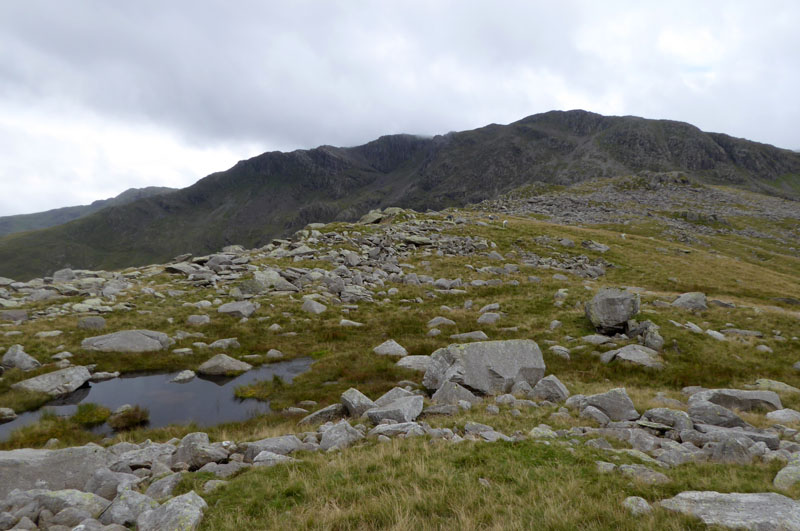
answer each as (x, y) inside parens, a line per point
(420, 484)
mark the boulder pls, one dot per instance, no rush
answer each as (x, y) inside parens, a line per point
(391, 395)
(57, 383)
(674, 418)
(390, 347)
(356, 402)
(7, 414)
(704, 412)
(196, 451)
(128, 341)
(611, 309)
(126, 508)
(341, 435)
(16, 358)
(635, 355)
(273, 280)
(222, 364)
(14, 315)
(283, 445)
(738, 511)
(691, 301)
(56, 501)
(644, 474)
(163, 488)
(788, 476)
(402, 410)
(181, 513)
(550, 388)
(739, 399)
(636, 505)
(106, 483)
(326, 414)
(452, 393)
(313, 307)
(69, 468)
(415, 363)
(198, 320)
(732, 451)
(267, 458)
(616, 404)
(184, 376)
(784, 416)
(238, 309)
(490, 367)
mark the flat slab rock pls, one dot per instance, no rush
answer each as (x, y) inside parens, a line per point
(70, 468)
(739, 399)
(56, 383)
(128, 341)
(738, 511)
(489, 367)
(222, 364)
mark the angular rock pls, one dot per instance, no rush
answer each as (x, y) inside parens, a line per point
(616, 404)
(491, 367)
(611, 309)
(739, 399)
(106, 483)
(691, 301)
(644, 474)
(313, 307)
(222, 364)
(738, 511)
(550, 388)
(415, 363)
(69, 468)
(56, 501)
(390, 396)
(127, 507)
(16, 358)
(636, 505)
(356, 402)
(238, 309)
(704, 412)
(452, 393)
(184, 376)
(339, 436)
(390, 347)
(182, 513)
(128, 341)
(283, 445)
(267, 458)
(402, 410)
(198, 320)
(196, 450)
(477, 335)
(224, 470)
(164, 487)
(784, 416)
(7, 414)
(674, 418)
(56, 383)
(326, 414)
(731, 451)
(635, 355)
(393, 430)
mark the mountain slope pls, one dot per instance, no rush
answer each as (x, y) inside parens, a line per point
(59, 216)
(275, 193)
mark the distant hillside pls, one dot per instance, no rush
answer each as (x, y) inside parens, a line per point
(275, 193)
(59, 216)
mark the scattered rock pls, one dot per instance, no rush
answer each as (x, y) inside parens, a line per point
(16, 358)
(390, 347)
(221, 365)
(695, 301)
(738, 511)
(611, 309)
(57, 383)
(616, 404)
(128, 341)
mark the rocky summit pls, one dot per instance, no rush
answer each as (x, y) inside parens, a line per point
(620, 353)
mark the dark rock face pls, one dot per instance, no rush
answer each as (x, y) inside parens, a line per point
(277, 193)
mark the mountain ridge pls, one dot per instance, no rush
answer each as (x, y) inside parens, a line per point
(275, 193)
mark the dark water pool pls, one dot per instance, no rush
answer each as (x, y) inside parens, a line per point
(203, 400)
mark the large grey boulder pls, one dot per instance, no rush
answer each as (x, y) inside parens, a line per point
(550, 388)
(758, 511)
(739, 399)
(182, 513)
(16, 358)
(452, 393)
(616, 404)
(718, 434)
(313, 307)
(128, 341)
(402, 410)
(341, 435)
(691, 301)
(784, 416)
(283, 445)
(489, 367)
(164, 487)
(395, 393)
(732, 451)
(57, 383)
(196, 450)
(635, 355)
(126, 508)
(611, 309)
(106, 483)
(705, 412)
(238, 309)
(56, 501)
(222, 364)
(273, 280)
(674, 418)
(69, 468)
(356, 402)
(390, 347)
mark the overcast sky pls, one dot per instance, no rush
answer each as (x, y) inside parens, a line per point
(97, 96)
